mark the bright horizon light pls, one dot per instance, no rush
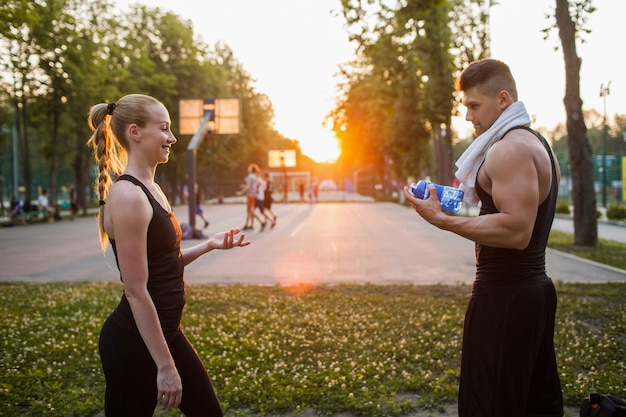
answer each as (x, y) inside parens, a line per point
(324, 150)
(319, 144)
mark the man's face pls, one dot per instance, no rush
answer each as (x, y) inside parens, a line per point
(482, 110)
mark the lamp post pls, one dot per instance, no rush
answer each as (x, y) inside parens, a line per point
(604, 91)
(15, 160)
(284, 169)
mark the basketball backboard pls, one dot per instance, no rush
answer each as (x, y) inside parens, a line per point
(281, 158)
(224, 120)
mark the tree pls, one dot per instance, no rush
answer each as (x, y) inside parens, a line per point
(469, 22)
(60, 57)
(382, 119)
(407, 56)
(17, 59)
(92, 73)
(358, 121)
(583, 194)
(438, 66)
(48, 58)
(55, 29)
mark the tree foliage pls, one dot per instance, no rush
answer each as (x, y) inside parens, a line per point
(59, 57)
(398, 97)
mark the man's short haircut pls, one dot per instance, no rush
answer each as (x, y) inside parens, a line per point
(490, 76)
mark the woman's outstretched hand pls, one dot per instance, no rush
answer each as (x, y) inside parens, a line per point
(228, 240)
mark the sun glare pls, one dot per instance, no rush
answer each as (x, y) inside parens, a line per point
(322, 149)
(302, 117)
(304, 124)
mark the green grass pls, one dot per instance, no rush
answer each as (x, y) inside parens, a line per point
(608, 252)
(360, 349)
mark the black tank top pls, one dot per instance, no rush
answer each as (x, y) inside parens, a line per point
(165, 269)
(503, 266)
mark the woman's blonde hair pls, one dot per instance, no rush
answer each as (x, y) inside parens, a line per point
(109, 122)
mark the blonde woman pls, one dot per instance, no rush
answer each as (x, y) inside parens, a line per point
(145, 355)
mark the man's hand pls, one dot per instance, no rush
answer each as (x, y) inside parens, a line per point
(430, 209)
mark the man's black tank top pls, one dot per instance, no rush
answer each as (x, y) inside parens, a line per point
(503, 266)
(165, 269)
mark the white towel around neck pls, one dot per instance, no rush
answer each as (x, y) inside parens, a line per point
(469, 163)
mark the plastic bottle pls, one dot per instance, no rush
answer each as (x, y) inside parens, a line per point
(450, 198)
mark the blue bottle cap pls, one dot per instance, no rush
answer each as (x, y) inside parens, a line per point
(420, 189)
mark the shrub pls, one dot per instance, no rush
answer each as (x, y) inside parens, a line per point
(616, 212)
(562, 207)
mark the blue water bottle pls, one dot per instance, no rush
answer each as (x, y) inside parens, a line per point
(450, 198)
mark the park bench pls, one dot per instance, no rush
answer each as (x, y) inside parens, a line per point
(36, 215)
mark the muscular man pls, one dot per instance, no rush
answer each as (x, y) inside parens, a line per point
(508, 365)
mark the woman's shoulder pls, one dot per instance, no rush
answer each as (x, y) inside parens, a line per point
(127, 211)
(127, 194)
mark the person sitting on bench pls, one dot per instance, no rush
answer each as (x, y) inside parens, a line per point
(17, 214)
(44, 204)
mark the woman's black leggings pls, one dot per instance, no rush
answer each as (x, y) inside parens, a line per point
(130, 375)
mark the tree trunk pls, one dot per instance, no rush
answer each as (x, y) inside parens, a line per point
(80, 178)
(53, 186)
(583, 193)
(446, 163)
(24, 148)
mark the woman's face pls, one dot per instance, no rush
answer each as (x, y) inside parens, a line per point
(157, 135)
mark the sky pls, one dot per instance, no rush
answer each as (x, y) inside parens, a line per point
(293, 49)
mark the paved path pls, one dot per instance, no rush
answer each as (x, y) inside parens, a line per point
(606, 230)
(380, 243)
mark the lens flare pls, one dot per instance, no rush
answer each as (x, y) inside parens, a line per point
(297, 273)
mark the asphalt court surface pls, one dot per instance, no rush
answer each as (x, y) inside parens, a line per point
(323, 243)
